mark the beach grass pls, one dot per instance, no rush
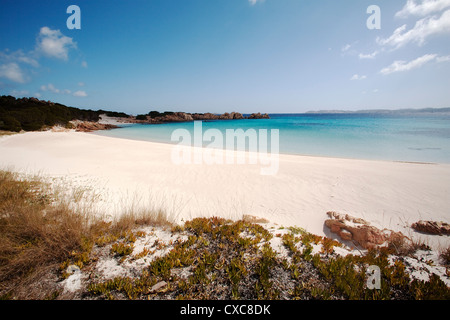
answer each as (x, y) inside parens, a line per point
(42, 238)
(41, 233)
(34, 235)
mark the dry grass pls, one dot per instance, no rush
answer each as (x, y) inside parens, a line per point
(42, 234)
(39, 232)
(133, 219)
(445, 256)
(34, 235)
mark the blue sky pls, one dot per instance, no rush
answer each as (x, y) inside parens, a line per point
(227, 55)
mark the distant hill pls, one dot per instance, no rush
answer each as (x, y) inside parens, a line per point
(387, 111)
(32, 114)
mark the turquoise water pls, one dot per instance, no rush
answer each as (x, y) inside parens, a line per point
(413, 137)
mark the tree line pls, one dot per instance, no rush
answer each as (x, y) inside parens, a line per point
(31, 114)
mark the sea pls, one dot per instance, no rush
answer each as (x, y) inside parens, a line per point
(408, 136)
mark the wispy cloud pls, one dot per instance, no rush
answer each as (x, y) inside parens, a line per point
(53, 43)
(358, 77)
(13, 65)
(346, 47)
(423, 29)
(51, 88)
(369, 55)
(401, 66)
(19, 93)
(12, 72)
(20, 57)
(423, 8)
(253, 2)
(80, 93)
(443, 59)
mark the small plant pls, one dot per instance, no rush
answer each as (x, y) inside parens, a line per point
(122, 249)
(445, 256)
(236, 270)
(264, 288)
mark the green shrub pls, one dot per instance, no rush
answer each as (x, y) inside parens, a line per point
(141, 117)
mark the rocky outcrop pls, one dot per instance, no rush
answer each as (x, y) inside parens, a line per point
(432, 227)
(89, 126)
(205, 116)
(258, 116)
(231, 116)
(177, 117)
(360, 231)
(156, 117)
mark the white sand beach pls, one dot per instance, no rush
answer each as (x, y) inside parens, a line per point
(130, 174)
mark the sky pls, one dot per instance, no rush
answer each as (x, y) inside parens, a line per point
(275, 56)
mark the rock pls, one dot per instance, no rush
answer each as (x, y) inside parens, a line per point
(367, 236)
(186, 117)
(177, 117)
(258, 116)
(359, 230)
(158, 286)
(334, 225)
(432, 227)
(205, 116)
(89, 126)
(345, 235)
(236, 115)
(345, 217)
(226, 116)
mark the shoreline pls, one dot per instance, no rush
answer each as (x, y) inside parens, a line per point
(140, 174)
(371, 156)
(284, 153)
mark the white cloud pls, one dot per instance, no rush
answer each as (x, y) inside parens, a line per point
(253, 2)
(422, 30)
(368, 56)
(12, 71)
(19, 93)
(346, 47)
(54, 44)
(424, 8)
(28, 60)
(12, 65)
(443, 59)
(50, 87)
(19, 57)
(358, 77)
(400, 66)
(80, 93)
(349, 49)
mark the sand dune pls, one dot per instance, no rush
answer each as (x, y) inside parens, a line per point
(133, 174)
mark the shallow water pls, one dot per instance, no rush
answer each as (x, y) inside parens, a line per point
(394, 137)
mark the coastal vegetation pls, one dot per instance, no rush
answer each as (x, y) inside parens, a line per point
(31, 114)
(46, 244)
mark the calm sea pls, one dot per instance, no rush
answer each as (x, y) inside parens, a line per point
(396, 137)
